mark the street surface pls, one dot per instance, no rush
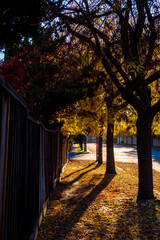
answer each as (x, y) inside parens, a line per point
(122, 154)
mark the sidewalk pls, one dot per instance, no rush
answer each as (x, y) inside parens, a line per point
(122, 154)
(81, 156)
(89, 205)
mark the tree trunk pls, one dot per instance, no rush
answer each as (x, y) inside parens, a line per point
(110, 166)
(85, 144)
(81, 144)
(99, 150)
(144, 151)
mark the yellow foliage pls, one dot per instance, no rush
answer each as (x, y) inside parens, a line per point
(156, 125)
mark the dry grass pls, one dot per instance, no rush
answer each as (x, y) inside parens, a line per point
(91, 205)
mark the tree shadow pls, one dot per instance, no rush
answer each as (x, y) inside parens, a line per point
(125, 146)
(81, 202)
(131, 153)
(149, 225)
(156, 155)
(64, 185)
(80, 169)
(138, 221)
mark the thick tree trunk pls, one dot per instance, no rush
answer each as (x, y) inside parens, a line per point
(110, 166)
(144, 151)
(99, 150)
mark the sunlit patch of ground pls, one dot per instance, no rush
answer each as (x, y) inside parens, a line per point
(91, 205)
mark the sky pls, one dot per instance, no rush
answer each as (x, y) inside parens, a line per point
(1, 55)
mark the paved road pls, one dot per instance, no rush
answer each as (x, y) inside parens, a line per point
(122, 154)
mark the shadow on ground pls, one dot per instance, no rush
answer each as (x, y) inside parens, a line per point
(75, 199)
(138, 220)
(90, 205)
(83, 204)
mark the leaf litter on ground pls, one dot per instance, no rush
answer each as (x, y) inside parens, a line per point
(88, 204)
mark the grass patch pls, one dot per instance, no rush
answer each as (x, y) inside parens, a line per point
(91, 205)
(79, 150)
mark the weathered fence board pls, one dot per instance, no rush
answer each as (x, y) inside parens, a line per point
(31, 162)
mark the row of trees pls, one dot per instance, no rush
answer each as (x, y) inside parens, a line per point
(86, 47)
(128, 52)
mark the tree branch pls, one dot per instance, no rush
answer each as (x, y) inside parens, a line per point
(153, 35)
(153, 77)
(117, 65)
(112, 75)
(156, 108)
(80, 36)
(85, 24)
(136, 103)
(70, 19)
(120, 107)
(156, 17)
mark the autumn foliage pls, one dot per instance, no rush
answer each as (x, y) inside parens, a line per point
(12, 71)
(41, 73)
(91, 205)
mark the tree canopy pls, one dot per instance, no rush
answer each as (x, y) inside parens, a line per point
(125, 36)
(19, 19)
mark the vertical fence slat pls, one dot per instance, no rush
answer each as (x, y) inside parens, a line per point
(5, 108)
(31, 161)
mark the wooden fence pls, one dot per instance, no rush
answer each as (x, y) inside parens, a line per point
(31, 162)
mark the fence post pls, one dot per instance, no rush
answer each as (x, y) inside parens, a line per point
(58, 155)
(41, 172)
(3, 159)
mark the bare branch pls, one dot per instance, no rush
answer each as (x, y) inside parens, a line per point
(70, 19)
(153, 35)
(87, 6)
(156, 17)
(81, 37)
